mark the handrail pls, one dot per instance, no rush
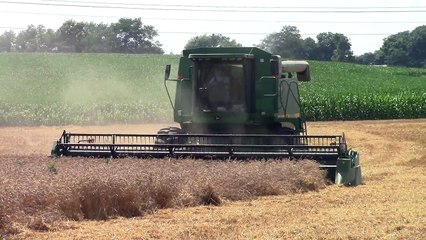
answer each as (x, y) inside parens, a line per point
(168, 93)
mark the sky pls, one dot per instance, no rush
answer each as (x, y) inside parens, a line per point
(365, 22)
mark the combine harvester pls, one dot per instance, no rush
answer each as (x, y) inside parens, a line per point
(235, 103)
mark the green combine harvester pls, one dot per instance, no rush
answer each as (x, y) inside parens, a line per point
(232, 103)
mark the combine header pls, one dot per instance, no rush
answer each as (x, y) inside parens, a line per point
(238, 103)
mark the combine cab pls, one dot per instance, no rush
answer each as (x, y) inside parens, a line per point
(239, 103)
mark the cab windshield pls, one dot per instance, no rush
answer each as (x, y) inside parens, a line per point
(221, 86)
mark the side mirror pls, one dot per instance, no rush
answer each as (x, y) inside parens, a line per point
(167, 72)
(275, 69)
(276, 66)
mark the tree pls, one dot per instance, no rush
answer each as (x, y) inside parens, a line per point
(310, 48)
(287, 43)
(326, 46)
(46, 39)
(405, 48)
(366, 58)
(213, 40)
(26, 41)
(333, 46)
(379, 57)
(49, 41)
(131, 36)
(32, 39)
(343, 52)
(417, 47)
(72, 33)
(99, 38)
(395, 49)
(7, 41)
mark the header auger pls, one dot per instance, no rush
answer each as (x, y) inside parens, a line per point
(240, 103)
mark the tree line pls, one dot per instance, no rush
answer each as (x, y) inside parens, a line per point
(406, 48)
(125, 36)
(130, 35)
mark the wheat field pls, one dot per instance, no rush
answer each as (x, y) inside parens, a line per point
(390, 205)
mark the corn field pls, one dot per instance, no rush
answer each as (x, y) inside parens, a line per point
(60, 89)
